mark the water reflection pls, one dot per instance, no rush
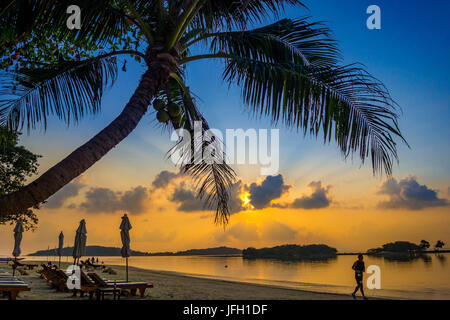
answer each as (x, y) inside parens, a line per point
(406, 258)
(287, 260)
(426, 259)
(442, 259)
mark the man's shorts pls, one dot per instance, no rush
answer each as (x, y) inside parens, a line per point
(359, 278)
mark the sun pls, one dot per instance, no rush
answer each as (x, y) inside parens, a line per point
(245, 198)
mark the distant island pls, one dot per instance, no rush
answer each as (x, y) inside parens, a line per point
(91, 251)
(100, 251)
(405, 250)
(219, 251)
(292, 252)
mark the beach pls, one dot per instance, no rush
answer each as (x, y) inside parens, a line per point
(174, 286)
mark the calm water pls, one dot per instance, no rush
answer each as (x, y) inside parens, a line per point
(418, 279)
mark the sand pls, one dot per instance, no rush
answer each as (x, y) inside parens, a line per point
(174, 286)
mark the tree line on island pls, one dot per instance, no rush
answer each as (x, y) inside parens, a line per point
(405, 248)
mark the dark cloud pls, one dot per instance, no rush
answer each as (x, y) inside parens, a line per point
(186, 200)
(235, 203)
(270, 189)
(317, 200)
(163, 178)
(409, 194)
(104, 200)
(69, 191)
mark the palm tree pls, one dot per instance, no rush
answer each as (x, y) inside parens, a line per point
(424, 244)
(290, 71)
(439, 245)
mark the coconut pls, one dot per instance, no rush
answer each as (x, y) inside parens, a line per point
(162, 116)
(158, 104)
(174, 110)
(177, 119)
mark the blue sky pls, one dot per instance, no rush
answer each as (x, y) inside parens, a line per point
(409, 54)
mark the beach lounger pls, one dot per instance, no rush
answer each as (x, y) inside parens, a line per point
(12, 289)
(6, 274)
(49, 274)
(132, 286)
(28, 266)
(10, 278)
(88, 286)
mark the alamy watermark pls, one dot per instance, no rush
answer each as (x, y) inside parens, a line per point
(374, 20)
(374, 280)
(74, 20)
(74, 278)
(242, 147)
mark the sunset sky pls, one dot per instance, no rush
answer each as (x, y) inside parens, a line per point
(317, 196)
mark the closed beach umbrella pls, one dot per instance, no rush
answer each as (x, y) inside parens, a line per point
(79, 247)
(125, 227)
(60, 246)
(17, 240)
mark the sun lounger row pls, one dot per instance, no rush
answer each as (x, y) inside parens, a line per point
(90, 283)
(58, 280)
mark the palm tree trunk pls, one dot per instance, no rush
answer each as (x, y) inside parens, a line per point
(84, 157)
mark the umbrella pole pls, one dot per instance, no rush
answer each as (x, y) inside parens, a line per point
(14, 265)
(59, 266)
(127, 267)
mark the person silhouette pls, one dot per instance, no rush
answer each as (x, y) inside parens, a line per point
(359, 268)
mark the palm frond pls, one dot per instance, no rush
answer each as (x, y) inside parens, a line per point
(212, 176)
(297, 42)
(230, 14)
(68, 90)
(290, 71)
(101, 20)
(345, 102)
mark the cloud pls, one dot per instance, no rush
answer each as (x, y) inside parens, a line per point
(271, 188)
(235, 203)
(163, 179)
(104, 200)
(156, 235)
(269, 232)
(241, 231)
(317, 200)
(69, 191)
(186, 200)
(409, 194)
(276, 231)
